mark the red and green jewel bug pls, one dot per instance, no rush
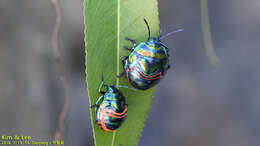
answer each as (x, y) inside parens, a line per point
(110, 108)
(147, 62)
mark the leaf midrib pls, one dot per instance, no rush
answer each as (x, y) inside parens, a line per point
(118, 56)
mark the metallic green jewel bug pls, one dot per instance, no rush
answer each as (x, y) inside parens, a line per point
(147, 62)
(110, 108)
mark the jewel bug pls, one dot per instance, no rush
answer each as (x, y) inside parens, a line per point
(110, 108)
(147, 62)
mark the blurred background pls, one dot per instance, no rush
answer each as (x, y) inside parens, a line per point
(196, 104)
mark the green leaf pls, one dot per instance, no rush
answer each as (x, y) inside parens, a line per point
(205, 24)
(107, 23)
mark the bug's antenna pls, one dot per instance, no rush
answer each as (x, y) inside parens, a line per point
(102, 84)
(102, 77)
(148, 29)
(102, 80)
(170, 33)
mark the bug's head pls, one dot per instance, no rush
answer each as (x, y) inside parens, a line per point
(112, 89)
(154, 42)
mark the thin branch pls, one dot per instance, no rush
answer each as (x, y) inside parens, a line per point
(207, 40)
(62, 76)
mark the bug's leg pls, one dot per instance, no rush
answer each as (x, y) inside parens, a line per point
(126, 48)
(101, 85)
(162, 71)
(160, 34)
(124, 59)
(132, 41)
(121, 74)
(96, 105)
(123, 62)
